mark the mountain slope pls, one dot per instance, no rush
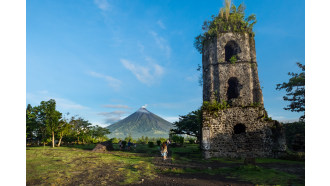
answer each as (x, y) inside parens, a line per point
(141, 123)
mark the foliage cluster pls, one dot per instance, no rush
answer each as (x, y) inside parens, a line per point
(233, 59)
(151, 144)
(114, 140)
(129, 138)
(191, 140)
(177, 139)
(229, 19)
(295, 135)
(143, 140)
(189, 124)
(214, 106)
(295, 89)
(44, 123)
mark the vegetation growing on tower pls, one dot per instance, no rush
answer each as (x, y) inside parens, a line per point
(229, 19)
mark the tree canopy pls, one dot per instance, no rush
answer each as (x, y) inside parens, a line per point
(189, 124)
(295, 89)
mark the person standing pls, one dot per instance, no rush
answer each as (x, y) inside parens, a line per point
(120, 145)
(164, 150)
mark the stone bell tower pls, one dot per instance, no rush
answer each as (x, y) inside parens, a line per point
(230, 77)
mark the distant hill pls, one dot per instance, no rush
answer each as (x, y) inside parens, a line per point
(141, 123)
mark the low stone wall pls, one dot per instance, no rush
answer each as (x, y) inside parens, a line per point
(241, 132)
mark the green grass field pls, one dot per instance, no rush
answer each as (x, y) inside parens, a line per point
(79, 165)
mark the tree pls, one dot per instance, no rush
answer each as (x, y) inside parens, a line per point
(295, 89)
(99, 133)
(189, 124)
(31, 122)
(81, 128)
(50, 117)
(64, 129)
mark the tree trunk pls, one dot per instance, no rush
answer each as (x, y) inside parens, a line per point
(53, 139)
(59, 142)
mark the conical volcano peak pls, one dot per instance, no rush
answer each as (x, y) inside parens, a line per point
(143, 110)
(140, 123)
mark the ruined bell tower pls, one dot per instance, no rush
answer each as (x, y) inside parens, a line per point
(235, 123)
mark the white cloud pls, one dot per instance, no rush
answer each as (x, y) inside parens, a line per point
(102, 4)
(112, 117)
(117, 106)
(145, 74)
(67, 104)
(162, 44)
(94, 123)
(112, 82)
(161, 24)
(61, 103)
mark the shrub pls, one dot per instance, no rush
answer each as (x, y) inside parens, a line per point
(295, 156)
(129, 138)
(114, 140)
(191, 140)
(123, 143)
(178, 139)
(158, 142)
(295, 135)
(150, 144)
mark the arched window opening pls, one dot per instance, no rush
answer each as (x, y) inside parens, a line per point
(233, 91)
(239, 129)
(231, 49)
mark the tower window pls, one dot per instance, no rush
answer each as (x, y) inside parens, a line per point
(233, 91)
(239, 129)
(231, 49)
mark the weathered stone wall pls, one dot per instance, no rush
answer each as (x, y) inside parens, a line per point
(220, 138)
(217, 71)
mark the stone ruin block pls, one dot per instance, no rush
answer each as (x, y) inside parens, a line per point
(243, 129)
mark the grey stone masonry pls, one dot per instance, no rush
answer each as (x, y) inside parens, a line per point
(242, 130)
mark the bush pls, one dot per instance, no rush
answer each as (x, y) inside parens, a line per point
(143, 140)
(295, 135)
(123, 143)
(178, 139)
(150, 144)
(295, 156)
(158, 142)
(114, 140)
(129, 138)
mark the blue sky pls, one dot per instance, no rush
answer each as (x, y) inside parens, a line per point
(103, 59)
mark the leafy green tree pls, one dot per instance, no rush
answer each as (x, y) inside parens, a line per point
(50, 117)
(129, 138)
(31, 123)
(65, 128)
(295, 89)
(81, 128)
(189, 124)
(99, 133)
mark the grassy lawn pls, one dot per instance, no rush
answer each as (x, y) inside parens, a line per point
(79, 165)
(66, 165)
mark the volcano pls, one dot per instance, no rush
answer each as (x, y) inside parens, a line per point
(141, 123)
